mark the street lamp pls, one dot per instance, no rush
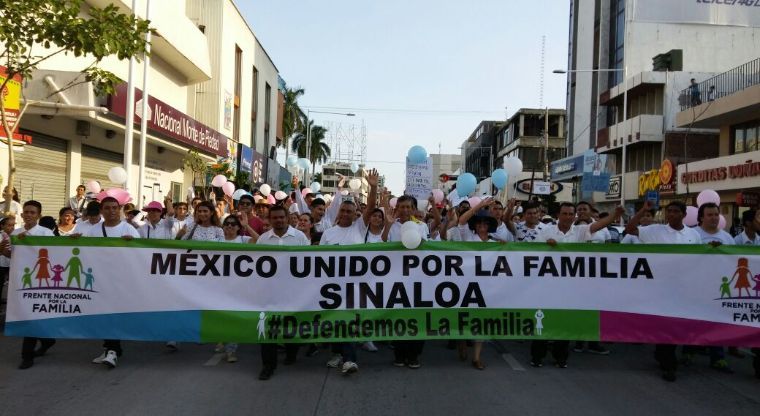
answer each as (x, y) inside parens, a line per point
(308, 134)
(625, 117)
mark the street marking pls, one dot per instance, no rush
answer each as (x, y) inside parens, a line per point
(214, 360)
(512, 361)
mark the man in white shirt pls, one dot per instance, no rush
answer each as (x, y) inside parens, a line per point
(749, 236)
(674, 232)
(709, 220)
(31, 212)
(90, 219)
(112, 226)
(156, 227)
(281, 234)
(565, 231)
(78, 202)
(452, 232)
(349, 230)
(502, 232)
(528, 230)
(584, 211)
(406, 353)
(646, 219)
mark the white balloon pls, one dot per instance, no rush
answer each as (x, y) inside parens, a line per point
(411, 239)
(265, 189)
(280, 195)
(315, 187)
(238, 193)
(354, 184)
(117, 175)
(344, 192)
(410, 226)
(422, 205)
(513, 165)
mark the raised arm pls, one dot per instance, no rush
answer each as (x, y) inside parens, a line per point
(436, 213)
(372, 178)
(506, 218)
(485, 203)
(633, 224)
(605, 222)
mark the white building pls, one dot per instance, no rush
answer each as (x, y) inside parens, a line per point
(330, 178)
(445, 164)
(623, 36)
(202, 67)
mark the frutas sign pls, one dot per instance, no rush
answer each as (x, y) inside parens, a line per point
(747, 169)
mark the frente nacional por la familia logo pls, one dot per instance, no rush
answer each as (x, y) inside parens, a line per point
(53, 285)
(736, 293)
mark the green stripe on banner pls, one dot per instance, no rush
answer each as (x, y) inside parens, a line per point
(698, 249)
(407, 324)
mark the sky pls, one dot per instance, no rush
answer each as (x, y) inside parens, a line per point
(415, 72)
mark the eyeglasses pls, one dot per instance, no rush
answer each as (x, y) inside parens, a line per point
(230, 224)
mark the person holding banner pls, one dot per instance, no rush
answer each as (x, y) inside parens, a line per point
(206, 226)
(281, 234)
(31, 212)
(478, 224)
(566, 231)
(406, 353)
(674, 232)
(156, 227)
(349, 230)
(112, 226)
(90, 219)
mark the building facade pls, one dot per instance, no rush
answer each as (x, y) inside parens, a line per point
(195, 61)
(648, 50)
(448, 165)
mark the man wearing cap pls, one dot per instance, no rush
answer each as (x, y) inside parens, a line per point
(155, 227)
(246, 205)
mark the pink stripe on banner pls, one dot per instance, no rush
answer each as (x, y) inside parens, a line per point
(634, 327)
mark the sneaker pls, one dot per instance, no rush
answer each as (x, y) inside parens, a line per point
(722, 366)
(312, 350)
(669, 375)
(399, 363)
(335, 361)
(266, 373)
(414, 364)
(369, 346)
(110, 359)
(599, 350)
(25, 364)
(99, 359)
(231, 357)
(578, 348)
(219, 348)
(172, 346)
(349, 367)
(561, 364)
(537, 364)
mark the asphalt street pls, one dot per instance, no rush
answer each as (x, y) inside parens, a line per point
(195, 381)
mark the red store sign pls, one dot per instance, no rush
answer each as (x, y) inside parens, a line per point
(170, 122)
(745, 170)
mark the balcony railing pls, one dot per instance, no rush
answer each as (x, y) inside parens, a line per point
(727, 83)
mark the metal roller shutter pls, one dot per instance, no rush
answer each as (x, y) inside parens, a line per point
(96, 163)
(41, 173)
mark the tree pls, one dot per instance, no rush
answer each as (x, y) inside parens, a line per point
(320, 151)
(293, 117)
(32, 31)
(196, 164)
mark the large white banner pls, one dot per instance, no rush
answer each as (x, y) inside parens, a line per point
(192, 291)
(709, 12)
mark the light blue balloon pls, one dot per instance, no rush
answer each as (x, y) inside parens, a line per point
(417, 155)
(466, 183)
(303, 163)
(292, 161)
(499, 178)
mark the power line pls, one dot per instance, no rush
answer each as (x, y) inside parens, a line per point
(404, 110)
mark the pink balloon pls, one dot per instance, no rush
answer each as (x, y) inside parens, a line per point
(93, 186)
(708, 195)
(270, 199)
(101, 195)
(228, 188)
(219, 180)
(392, 202)
(722, 222)
(113, 192)
(305, 191)
(690, 220)
(474, 201)
(123, 196)
(438, 196)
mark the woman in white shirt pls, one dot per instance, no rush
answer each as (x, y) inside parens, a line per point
(206, 227)
(66, 223)
(476, 225)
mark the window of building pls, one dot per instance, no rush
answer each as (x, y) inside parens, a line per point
(617, 39)
(254, 104)
(746, 137)
(238, 93)
(532, 158)
(267, 114)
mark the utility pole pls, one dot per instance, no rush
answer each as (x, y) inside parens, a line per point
(546, 145)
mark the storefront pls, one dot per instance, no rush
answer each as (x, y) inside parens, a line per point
(736, 178)
(38, 172)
